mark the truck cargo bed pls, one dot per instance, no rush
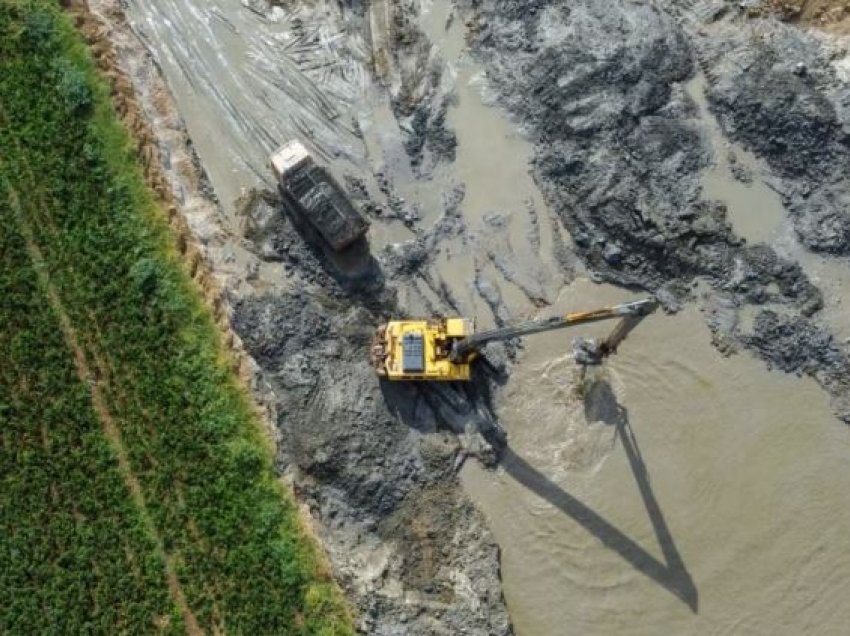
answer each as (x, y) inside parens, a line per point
(324, 204)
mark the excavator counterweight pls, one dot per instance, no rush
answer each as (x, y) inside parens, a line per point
(444, 348)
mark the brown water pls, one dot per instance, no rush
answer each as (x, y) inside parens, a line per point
(755, 211)
(685, 493)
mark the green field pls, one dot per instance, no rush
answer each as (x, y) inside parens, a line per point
(138, 493)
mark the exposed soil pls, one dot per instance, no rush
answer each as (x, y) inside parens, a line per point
(619, 152)
(833, 15)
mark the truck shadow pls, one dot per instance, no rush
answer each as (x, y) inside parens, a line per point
(353, 268)
(671, 574)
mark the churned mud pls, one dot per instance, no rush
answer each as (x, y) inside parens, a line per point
(517, 159)
(624, 139)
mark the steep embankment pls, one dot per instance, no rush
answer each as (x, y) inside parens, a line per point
(138, 491)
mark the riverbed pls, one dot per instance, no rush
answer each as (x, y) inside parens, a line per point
(674, 489)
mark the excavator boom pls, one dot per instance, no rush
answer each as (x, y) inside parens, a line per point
(444, 349)
(639, 308)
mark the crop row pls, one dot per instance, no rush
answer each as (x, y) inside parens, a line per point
(76, 557)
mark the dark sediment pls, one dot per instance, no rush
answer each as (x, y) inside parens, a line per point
(599, 88)
(376, 462)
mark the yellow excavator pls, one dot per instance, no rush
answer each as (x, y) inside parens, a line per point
(444, 348)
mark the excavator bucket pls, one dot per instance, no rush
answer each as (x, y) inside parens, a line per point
(592, 351)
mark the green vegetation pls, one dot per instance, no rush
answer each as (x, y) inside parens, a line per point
(80, 551)
(72, 541)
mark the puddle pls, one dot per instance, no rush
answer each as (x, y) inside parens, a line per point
(493, 163)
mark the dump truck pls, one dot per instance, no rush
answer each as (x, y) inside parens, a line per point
(316, 196)
(443, 349)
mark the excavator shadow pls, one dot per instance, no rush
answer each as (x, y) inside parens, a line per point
(672, 574)
(460, 407)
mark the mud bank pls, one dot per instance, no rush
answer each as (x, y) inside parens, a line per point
(620, 153)
(375, 462)
(832, 15)
(375, 466)
(388, 95)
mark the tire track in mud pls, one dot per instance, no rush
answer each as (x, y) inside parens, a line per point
(256, 79)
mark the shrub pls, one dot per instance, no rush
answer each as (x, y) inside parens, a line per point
(73, 87)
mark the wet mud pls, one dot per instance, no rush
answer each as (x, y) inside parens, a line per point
(520, 159)
(376, 462)
(622, 145)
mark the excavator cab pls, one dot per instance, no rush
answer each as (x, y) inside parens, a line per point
(443, 349)
(421, 349)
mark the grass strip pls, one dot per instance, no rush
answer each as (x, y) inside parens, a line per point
(192, 440)
(76, 557)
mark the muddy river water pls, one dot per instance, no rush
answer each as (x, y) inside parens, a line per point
(683, 492)
(674, 490)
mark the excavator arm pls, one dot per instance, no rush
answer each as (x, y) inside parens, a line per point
(630, 313)
(442, 349)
